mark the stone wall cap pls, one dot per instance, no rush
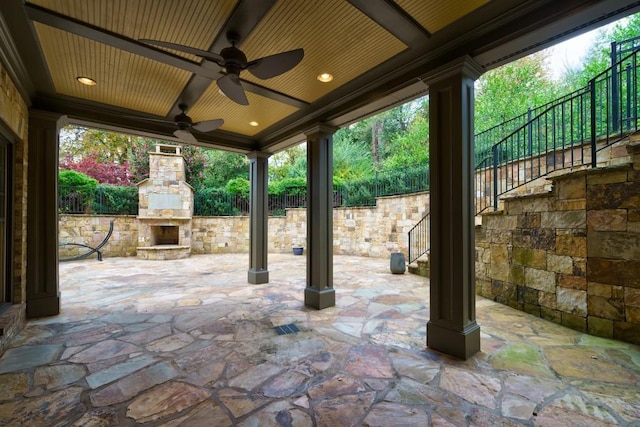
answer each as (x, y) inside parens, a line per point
(195, 218)
(397, 196)
(493, 213)
(615, 168)
(176, 218)
(538, 194)
(566, 174)
(633, 147)
(161, 247)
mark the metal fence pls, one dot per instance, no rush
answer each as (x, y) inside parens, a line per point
(114, 200)
(568, 133)
(101, 200)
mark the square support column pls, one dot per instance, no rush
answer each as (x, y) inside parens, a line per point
(43, 295)
(452, 327)
(258, 218)
(319, 292)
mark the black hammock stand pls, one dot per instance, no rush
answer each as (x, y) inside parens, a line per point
(92, 250)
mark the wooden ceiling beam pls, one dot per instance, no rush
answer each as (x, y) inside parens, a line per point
(97, 115)
(394, 19)
(242, 20)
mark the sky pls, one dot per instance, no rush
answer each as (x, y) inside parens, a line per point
(569, 54)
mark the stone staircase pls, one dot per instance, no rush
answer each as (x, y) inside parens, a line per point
(611, 156)
(420, 266)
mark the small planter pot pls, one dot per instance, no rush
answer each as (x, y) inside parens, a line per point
(298, 251)
(397, 263)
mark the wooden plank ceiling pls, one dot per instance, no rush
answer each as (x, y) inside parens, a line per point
(363, 44)
(333, 34)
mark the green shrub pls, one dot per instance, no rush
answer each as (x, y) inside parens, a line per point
(70, 178)
(289, 186)
(212, 202)
(238, 186)
(75, 191)
(116, 200)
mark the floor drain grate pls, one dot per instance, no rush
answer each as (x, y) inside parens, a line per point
(287, 329)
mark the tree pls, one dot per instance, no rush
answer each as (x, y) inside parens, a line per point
(411, 148)
(598, 57)
(351, 161)
(223, 166)
(103, 146)
(106, 172)
(508, 91)
(289, 163)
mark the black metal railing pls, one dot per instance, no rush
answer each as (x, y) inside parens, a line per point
(568, 133)
(485, 140)
(419, 238)
(365, 192)
(100, 200)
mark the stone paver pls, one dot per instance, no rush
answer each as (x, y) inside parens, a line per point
(189, 342)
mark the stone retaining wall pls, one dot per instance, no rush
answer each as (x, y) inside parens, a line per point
(571, 256)
(372, 231)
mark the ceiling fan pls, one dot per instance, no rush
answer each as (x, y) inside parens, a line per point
(233, 61)
(185, 125)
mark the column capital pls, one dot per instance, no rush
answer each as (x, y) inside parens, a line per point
(61, 119)
(255, 154)
(465, 65)
(320, 128)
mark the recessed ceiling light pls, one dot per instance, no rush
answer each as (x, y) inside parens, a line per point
(86, 81)
(253, 123)
(325, 77)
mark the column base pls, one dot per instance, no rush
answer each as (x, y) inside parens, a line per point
(258, 277)
(319, 299)
(43, 307)
(461, 344)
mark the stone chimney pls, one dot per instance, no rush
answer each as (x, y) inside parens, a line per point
(165, 207)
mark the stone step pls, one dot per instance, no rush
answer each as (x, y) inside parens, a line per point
(420, 267)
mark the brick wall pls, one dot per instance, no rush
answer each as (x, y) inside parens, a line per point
(571, 256)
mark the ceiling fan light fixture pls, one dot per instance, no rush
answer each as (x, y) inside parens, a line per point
(87, 81)
(325, 77)
(254, 123)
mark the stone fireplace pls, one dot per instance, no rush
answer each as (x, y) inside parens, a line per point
(165, 207)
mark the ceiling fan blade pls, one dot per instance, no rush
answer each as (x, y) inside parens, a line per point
(274, 65)
(185, 136)
(208, 125)
(186, 49)
(231, 87)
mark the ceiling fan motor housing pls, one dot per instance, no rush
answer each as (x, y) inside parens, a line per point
(234, 59)
(183, 121)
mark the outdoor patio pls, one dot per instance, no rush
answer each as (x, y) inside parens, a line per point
(189, 342)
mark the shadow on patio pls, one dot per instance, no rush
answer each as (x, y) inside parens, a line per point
(189, 342)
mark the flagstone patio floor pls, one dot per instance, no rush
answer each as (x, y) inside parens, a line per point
(191, 343)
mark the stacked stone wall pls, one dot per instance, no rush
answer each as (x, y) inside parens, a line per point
(374, 231)
(91, 230)
(571, 256)
(14, 117)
